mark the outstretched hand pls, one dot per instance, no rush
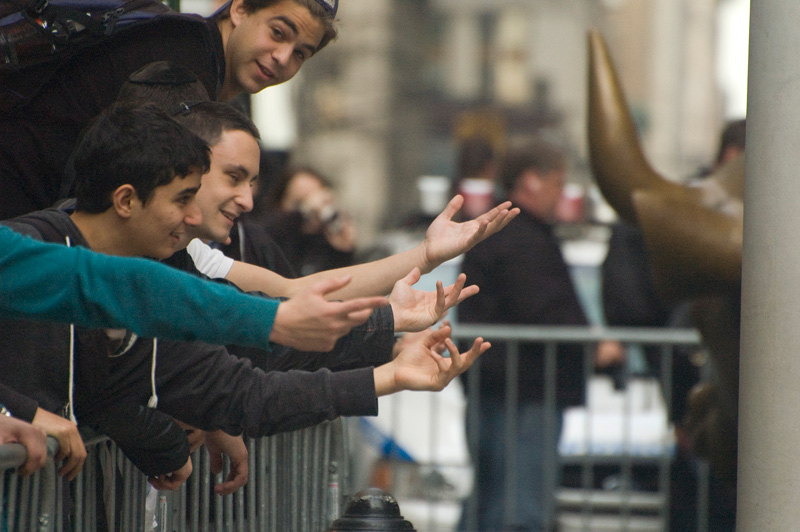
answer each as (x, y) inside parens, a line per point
(446, 239)
(416, 310)
(420, 367)
(310, 322)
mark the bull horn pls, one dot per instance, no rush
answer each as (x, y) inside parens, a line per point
(619, 165)
(693, 251)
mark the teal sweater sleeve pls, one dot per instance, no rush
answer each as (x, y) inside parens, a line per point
(75, 285)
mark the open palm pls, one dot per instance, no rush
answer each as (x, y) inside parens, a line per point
(420, 367)
(416, 310)
(446, 239)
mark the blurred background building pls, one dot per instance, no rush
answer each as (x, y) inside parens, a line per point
(389, 100)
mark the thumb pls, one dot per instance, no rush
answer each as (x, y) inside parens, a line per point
(412, 277)
(453, 206)
(436, 336)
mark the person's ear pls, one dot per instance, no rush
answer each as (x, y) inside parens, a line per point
(123, 199)
(531, 181)
(237, 12)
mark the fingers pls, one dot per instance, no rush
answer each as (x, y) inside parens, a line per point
(436, 336)
(469, 291)
(70, 443)
(461, 362)
(455, 290)
(311, 323)
(236, 479)
(37, 457)
(172, 481)
(441, 301)
(360, 304)
(502, 220)
(356, 318)
(35, 442)
(478, 348)
(165, 482)
(357, 311)
(492, 215)
(453, 207)
(455, 357)
(77, 456)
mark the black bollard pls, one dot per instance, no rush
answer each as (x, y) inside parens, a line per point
(371, 510)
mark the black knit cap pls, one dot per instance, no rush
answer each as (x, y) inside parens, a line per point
(163, 73)
(331, 6)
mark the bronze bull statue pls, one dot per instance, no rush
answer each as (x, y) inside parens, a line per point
(693, 238)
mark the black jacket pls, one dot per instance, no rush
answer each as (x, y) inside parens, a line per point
(524, 280)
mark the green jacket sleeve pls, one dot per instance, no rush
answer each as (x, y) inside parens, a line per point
(75, 285)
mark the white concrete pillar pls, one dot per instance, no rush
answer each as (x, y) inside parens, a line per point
(769, 427)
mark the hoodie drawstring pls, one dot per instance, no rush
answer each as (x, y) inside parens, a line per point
(153, 401)
(71, 404)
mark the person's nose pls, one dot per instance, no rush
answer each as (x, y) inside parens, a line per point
(244, 200)
(283, 53)
(193, 216)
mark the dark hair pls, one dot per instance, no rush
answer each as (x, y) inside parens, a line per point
(733, 136)
(538, 155)
(163, 83)
(314, 7)
(475, 153)
(137, 145)
(277, 190)
(208, 120)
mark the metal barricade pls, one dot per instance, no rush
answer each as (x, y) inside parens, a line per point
(294, 484)
(28, 503)
(583, 504)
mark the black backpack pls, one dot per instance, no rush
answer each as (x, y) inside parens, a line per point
(33, 32)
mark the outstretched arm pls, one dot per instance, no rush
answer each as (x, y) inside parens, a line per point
(444, 240)
(419, 366)
(46, 281)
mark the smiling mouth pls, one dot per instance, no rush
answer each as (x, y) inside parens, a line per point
(231, 217)
(267, 73)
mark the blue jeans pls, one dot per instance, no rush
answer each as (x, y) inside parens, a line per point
(532, 491)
